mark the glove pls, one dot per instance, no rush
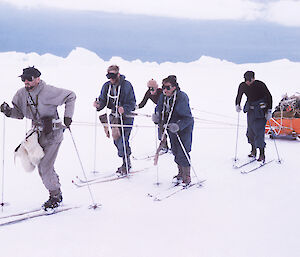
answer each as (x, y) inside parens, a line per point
(97, 105)
(238, 108)
(268, 114)
(155, 118)
(67, 121)
(5, 109)
(173, 127)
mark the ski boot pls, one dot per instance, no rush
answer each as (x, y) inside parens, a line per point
(122, 170)
(178, 178)
(253, 152)
(186, 176)
(262, 156)
(54, 201)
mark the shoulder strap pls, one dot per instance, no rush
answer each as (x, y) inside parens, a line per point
(31, 102)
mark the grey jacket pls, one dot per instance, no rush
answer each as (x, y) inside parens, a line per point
(42, 102)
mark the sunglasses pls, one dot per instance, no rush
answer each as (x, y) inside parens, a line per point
(28, 78)
(166, 87)
(111, 75)
(151, 88)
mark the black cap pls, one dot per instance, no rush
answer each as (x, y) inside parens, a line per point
(249, 75)
(171, 79)
(30, 72)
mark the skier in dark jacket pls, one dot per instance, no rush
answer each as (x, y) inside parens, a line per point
(259, 110)
(118, 95)
(174, 112)
(154, 93)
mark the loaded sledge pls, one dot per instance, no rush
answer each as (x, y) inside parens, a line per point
(285, 121)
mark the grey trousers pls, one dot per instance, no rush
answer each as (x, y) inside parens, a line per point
(50, 144)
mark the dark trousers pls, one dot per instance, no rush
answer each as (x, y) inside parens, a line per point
(119, 142)
(256, 130)
(186, 139)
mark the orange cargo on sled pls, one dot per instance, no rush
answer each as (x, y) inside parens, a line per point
(286, 118)
(284, 127)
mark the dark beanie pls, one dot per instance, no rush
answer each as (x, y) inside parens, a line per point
(31, 72)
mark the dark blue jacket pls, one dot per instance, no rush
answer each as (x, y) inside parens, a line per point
(126, 99)
(181, 114)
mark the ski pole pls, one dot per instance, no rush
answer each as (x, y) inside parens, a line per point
(3, 160)
(187, 156)
(95, 142)
(237, 136)
(156, 136)
(94, 205)
(124, 145)
(273, 133)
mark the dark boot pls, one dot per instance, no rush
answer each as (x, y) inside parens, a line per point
(253, 152)
(261, 157)
(123, 170)
(178, 178)
(186, 175)
(54, 200)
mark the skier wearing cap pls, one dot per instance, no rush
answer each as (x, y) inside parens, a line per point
(174, 112)
(259, 110)
(118, 95)
(153, 93)
(38, 101)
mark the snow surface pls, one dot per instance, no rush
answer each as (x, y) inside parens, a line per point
(233, 215)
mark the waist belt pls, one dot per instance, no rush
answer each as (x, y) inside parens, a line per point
(56, 124)
(260, 104)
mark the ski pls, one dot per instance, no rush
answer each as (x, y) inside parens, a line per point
(114, 178)
(244, 163)
(148, 157)
(79, 179)
(20, 213)
(256, 167)
(16, 218)
(173, 190)
(164, 190)
(103, 178)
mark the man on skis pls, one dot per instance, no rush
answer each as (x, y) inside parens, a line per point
(38, 101)
(154, 93)
(174, 113)
(259, 110)
(118, 95)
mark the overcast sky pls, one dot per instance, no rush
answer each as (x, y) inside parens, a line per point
(285, 12)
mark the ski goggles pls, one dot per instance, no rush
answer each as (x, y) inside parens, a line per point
(166, 87)
(112, 75)
(27, 77)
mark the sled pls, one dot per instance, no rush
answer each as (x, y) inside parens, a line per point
(285, 121)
